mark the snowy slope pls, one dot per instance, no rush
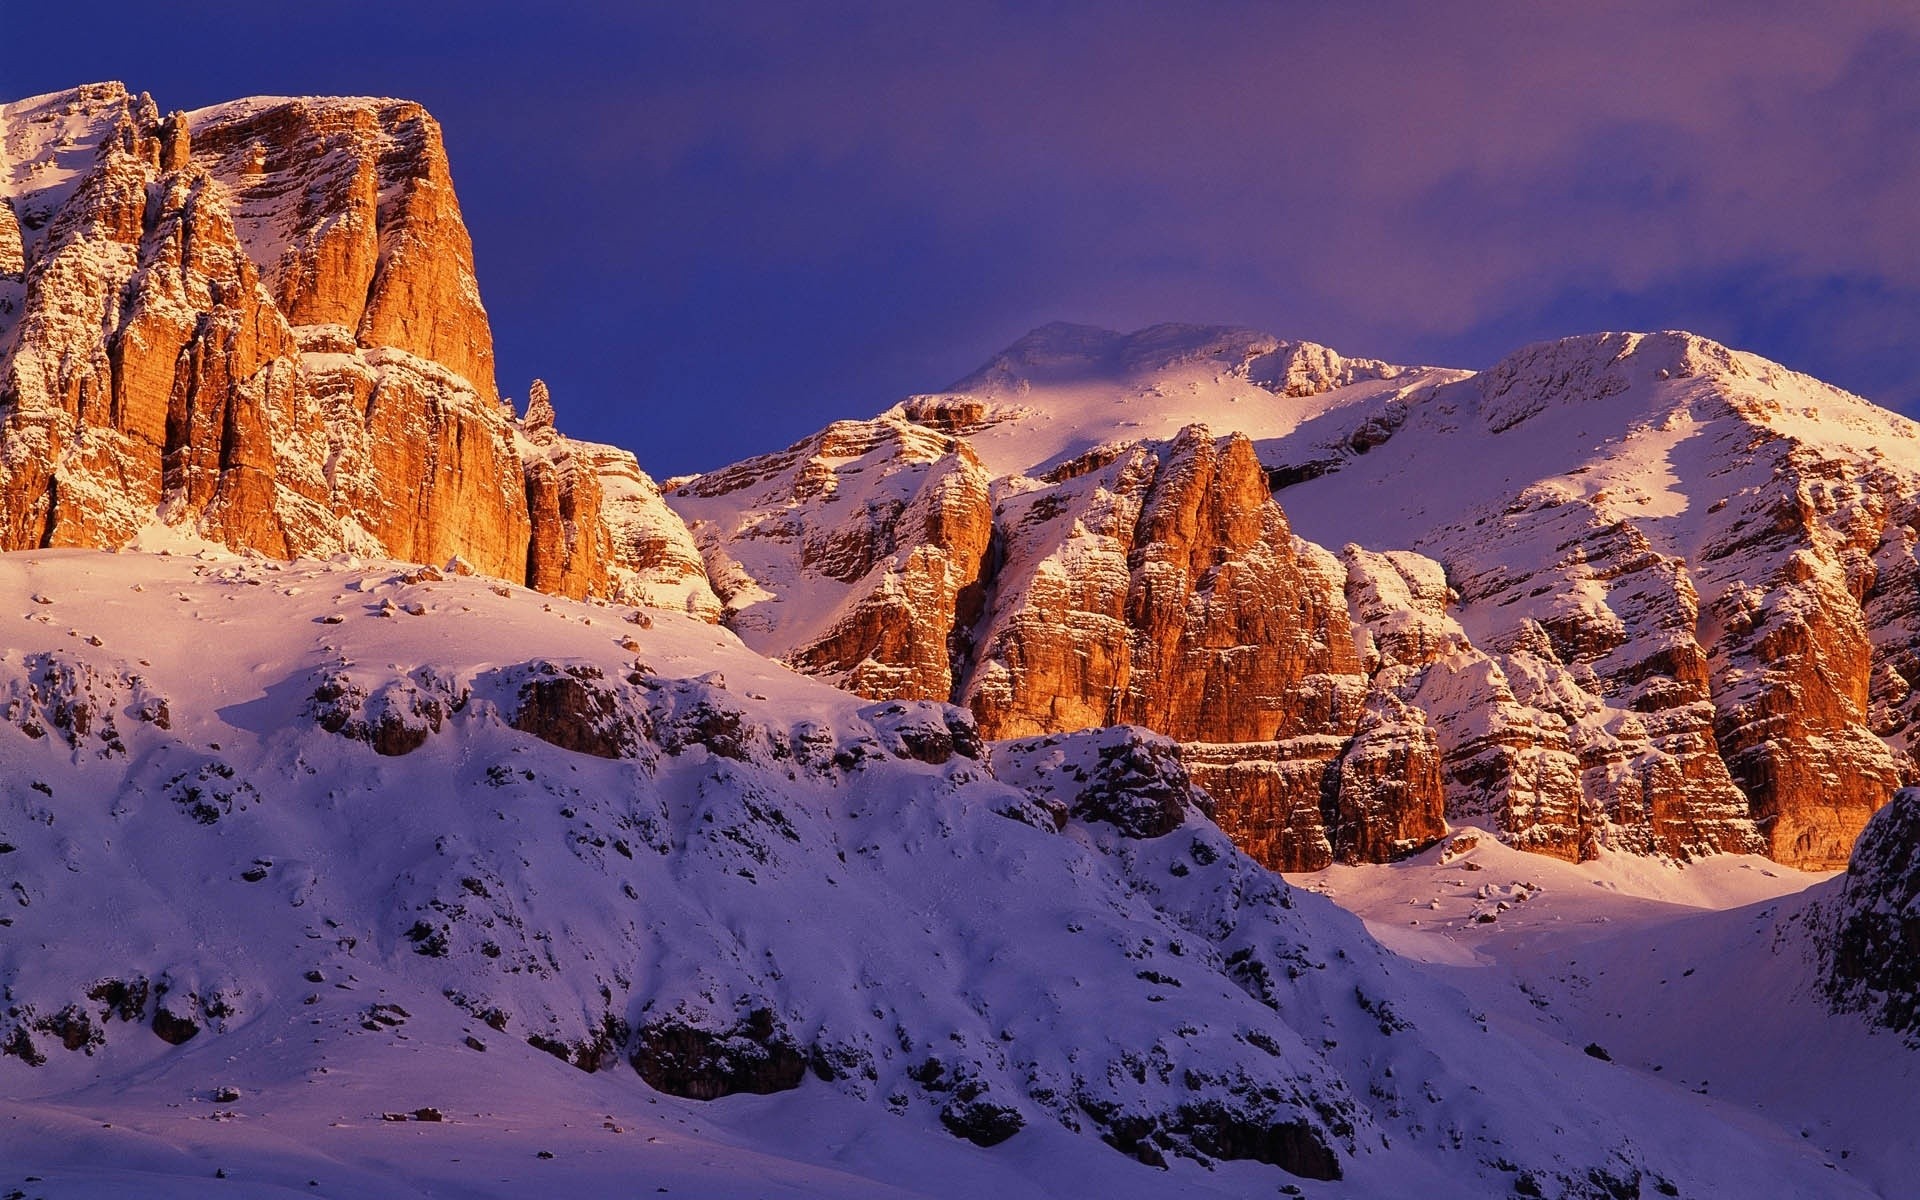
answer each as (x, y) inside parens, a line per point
(1639, 425)
(1701, 979)
(1066, 389)
(314, 823)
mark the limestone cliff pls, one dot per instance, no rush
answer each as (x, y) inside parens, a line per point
(259, 322)
(856, 554)
(1628, 591)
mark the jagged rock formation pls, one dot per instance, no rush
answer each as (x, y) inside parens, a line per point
(1673, 582)
(1669, 610)
(1161, 586)
(856, 554)
(260, 322)
(1872, 947)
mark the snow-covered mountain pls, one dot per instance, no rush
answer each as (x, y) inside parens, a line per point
(421, 844)
(1670, 608)
(892, 815)
(1621, 590)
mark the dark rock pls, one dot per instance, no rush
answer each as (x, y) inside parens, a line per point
(980, 1120)
(1136, 783)
(174, 1028)
(19, 1044)
(74, 1027)
(1872, 955)
(1296, 1147)
(125, 999)
(756, 1055)
(575, 709)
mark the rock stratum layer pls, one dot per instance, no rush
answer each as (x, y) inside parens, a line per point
(259, 323)
(1669, 608)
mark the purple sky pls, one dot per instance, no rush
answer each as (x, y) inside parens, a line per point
(713, 227)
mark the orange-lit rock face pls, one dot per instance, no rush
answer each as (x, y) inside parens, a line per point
(260, 322)
(1164, 589)
(1807, 624)
(855, 554)
(1673, 612)
(349, 209)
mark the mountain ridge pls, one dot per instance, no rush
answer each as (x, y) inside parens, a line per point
(1662, 671)
(898, 813)
(1605, 705)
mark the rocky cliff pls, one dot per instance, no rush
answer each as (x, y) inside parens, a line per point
(1668, 610)
(1871, 942)
(260, 323)
(856, 554)
(1669, 607)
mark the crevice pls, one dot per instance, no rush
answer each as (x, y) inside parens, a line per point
(971, 607)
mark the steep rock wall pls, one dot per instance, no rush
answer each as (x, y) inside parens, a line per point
(260, 322)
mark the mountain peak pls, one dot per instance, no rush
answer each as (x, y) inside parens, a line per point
(1588, 368)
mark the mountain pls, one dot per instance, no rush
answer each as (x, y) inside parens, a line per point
(399, 797)
(1668, 608)
(444, 845)
(259, 322)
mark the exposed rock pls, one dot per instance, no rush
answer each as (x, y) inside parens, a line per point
(600, 526)
(1268, 796)
(651, 557)
(1138, 593)
(882, 526)
(1163, 588)
(13, 256)
(1124, 777)
(260, 322)
(572, 707)
(1872, 949)
(568, 545)
(754, 1054)
(395, 716)
(174, 1028)
(348, 207)
(927, 731)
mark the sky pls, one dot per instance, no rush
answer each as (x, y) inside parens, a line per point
(714, 227)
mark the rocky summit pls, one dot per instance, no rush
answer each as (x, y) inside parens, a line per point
(259, 322)
(1669, 610)
(1673, 608)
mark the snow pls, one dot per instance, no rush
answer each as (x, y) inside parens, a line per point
(1066, 389)
(778, 532)
(1639, 426)
(885, 908)
(1697, 978)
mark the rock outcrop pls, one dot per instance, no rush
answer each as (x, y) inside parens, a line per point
(1872, 951)
(260, 322)
(856, 554)
(1670, 609)
(1159, 585)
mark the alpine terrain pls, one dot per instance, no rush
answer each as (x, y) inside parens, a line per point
(401, 798)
